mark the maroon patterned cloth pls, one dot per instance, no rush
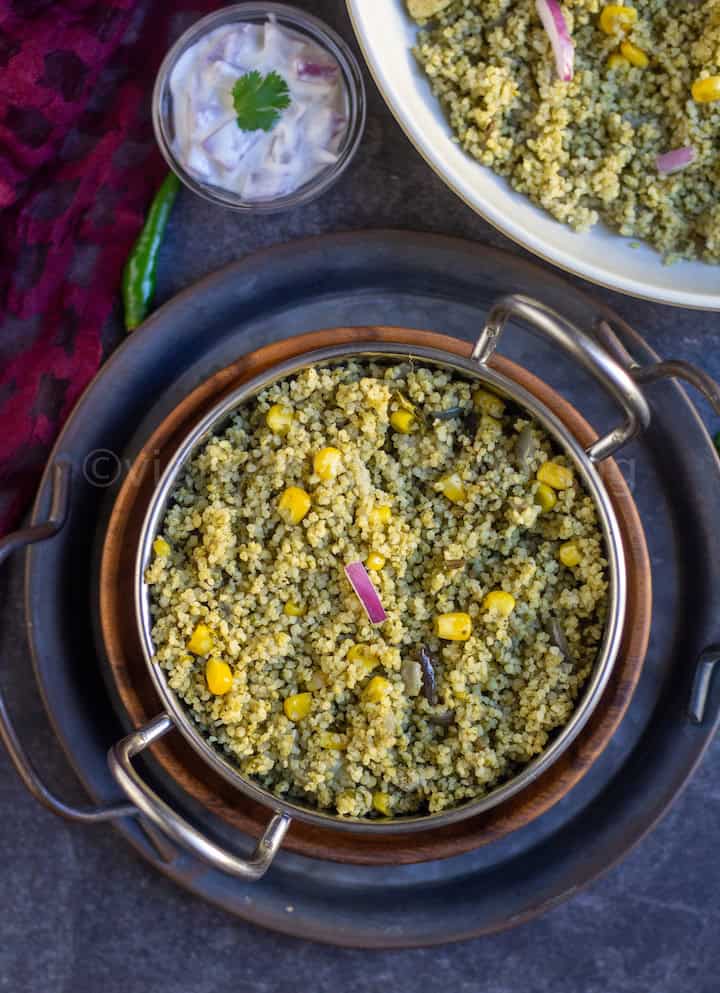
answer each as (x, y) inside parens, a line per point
(78, 167)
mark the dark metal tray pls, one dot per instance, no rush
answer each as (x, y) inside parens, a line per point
(445, 285)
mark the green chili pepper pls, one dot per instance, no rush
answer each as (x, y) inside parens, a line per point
(138, 282)
(717, 442)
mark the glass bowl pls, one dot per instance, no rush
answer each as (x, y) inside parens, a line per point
(308, 27)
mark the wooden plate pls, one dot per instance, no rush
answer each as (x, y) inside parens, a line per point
(180, 762)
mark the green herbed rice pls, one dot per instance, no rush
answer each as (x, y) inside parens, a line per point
(233, 563)
(585, 150)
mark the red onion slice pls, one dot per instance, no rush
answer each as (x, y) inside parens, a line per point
(366, 592)
(562, 44)
(315, 71)
(676, 160)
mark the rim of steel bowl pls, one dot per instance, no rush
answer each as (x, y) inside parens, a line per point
(217, 418)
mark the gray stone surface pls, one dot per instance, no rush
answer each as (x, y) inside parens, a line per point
(82, 913)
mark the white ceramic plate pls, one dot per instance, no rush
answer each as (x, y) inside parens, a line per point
(386, 35)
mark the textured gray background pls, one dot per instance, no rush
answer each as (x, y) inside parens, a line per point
(81, 913)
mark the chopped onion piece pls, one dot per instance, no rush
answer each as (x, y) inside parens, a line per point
(315, 71)
(366, 592)
(676, 160)
(562, 44)
(338, 124)
(228, 146)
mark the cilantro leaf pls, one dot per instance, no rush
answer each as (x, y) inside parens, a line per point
(259, 99)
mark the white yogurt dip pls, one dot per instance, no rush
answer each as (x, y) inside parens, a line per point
(257, 165)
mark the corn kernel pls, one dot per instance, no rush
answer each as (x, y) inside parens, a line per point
(380, 515)
(569, 554)
(500, 602)
(634, 55)
(332, 741)
(403, 421)
(381, 803)
(559, 477)
(357, 652)
(161, 548)
(293, 505)
(218, 676)
(293, 609)
(376, 689)
(453, 488)
(327, 463)
(297, 706)
(615, 17)
(545, 496)
(453, 627)
(617, 61)
(489, 403)
(279, 418)
(706, 90)
(363, 655)
(375, 561)
(201, 640)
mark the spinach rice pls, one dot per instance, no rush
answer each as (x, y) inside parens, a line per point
(439, 484)
(586, 150)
